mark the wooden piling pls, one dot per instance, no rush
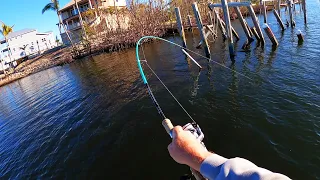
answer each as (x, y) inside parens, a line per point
(278, 7)
(304, 11)
(264, 11)
(200, 27)
(256, 24)
(254, 32)
(185, 52)
(248, 27)
(189, 22)
(243, 24)
(221, 26)
(234, 32)
(180, 26)
(210, 18)
(300, 5)
(289, 4)
(300, 37)
(278, 19)
(226, 16)
(270, 34)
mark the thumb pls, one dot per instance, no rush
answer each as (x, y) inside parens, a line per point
(176, 131)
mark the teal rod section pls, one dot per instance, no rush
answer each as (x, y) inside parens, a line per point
(138, 56)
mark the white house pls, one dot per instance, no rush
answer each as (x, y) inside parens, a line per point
(70, 16)
(23, 43)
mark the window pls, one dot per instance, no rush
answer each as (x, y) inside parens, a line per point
(32, 43)
(14, 49)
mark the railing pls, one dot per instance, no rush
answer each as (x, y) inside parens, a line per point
(74, 13)
(73, 26)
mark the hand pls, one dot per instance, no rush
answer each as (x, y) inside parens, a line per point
(186, 149)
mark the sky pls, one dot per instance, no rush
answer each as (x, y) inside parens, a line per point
(27, 14)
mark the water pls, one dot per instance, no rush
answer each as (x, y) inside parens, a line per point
(94, 119)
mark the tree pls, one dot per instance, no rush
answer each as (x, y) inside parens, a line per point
(54, 6)
(5, 31)
(57, 41)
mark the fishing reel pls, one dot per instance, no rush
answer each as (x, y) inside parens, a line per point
(196, 131)
(194, 128)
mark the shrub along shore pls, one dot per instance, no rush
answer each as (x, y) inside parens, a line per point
(101, 41)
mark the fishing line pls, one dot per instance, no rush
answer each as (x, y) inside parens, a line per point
(191, 127)
(154, 37)
(170, 92)
(145, 81)
(161, 112)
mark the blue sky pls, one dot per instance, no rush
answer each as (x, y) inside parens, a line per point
(27, 14)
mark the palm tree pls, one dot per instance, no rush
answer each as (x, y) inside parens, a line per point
(5, 31)
(57, 41)
(54, 6)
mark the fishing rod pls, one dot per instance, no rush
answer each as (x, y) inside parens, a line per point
(166, 123)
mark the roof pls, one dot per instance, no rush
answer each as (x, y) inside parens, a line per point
(71, 3)
(45, 33)
(18, 33)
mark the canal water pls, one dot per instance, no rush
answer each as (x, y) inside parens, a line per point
(94, 119)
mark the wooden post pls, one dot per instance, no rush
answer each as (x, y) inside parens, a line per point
(180, 26)
(300, 5)
(264, 11)
(200, 27)
(304, 11)
(248, 27)
(278, 7)
(278, 19)
(289, 4)
(210, 18)
(226, 16)
(300, 37)
(254, 32)
(256, 24)
(189, 22)
(270, 35)
(219, 21)
(234, 32)
(185, 52)
(243, 24)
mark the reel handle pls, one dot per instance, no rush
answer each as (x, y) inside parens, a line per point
(166, 123)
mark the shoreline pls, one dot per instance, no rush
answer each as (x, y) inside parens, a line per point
(66, 55)
(37, 64)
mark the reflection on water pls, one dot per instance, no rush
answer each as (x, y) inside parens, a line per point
(94, 119)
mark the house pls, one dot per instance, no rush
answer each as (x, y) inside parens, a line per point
(71, 20)
(23, 43)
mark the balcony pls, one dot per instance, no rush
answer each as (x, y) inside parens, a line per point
(74, 26)
(71, 13)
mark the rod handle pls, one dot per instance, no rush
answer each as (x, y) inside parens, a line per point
(166, 123)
